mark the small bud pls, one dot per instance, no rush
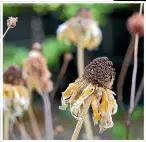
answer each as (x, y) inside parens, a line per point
(36, 46)
(11, 22)
(68, 56)
(135, 24)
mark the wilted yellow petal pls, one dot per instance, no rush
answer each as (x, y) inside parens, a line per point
(96, 115)
(76, 108)
(7, 91)
(112, 104)
(66, 95)
(103, 108)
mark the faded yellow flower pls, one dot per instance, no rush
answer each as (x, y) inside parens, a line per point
(81, 28)
(35, 71)
(97, 80)
(15, 94)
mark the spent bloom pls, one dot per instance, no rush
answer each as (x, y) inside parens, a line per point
(35, 71)
(15, 94)
(135, 24)
(81, 28)
(97, 80)
(11, 22)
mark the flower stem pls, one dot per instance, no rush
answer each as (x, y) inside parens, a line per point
(6, 31)
(33, 121)
(134, 74)
(47, 117)
(80, 64)
(22, 130)
(83, 115)
(6, 125)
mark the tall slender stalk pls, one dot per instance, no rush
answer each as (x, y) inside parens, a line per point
(6, 32)
(83, 115)
(33, 120)
(133, 102)
(20, 127)
(80, 65)
(47, 117)
(134, 75)
(6, 125)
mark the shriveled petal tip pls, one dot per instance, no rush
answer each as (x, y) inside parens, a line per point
(106, 122)
(66, 95)
(112, 104)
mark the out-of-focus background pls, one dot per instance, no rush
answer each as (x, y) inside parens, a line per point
(38, 22)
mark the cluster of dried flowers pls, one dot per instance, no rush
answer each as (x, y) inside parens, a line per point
(15, 94)
(96, 80)
(81, 28)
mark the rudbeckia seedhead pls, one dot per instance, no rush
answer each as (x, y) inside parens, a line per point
(13, 75)
(96, 81)
(100, 71)
(11, 22)
(15, 94)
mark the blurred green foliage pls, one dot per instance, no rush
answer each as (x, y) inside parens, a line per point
(65, 11)
(118, 131)
(13, 55)
(51, 48)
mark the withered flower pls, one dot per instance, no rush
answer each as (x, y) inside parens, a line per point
(35, 71)
(135, 24)
(81, 28)
(11, 22)
(97, 80)
(15, 94)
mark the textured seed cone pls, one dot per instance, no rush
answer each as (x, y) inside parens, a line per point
(100, 71)
(135, 24)
(13, 76)
(11, 22)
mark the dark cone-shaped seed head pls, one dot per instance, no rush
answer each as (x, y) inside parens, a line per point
(13, 75)
(100, 71)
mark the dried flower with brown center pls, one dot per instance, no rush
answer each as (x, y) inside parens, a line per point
(96, 80)
(36, 73)
(135, 24)
(15, 94)
(81, 28)
(11, 22)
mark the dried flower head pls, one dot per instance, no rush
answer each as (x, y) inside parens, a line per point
(11, 22)
(15, 94)
(100, 71)
(96, 80)
(81, 29)
(135, 24)
(13, 75)
(36, 73)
